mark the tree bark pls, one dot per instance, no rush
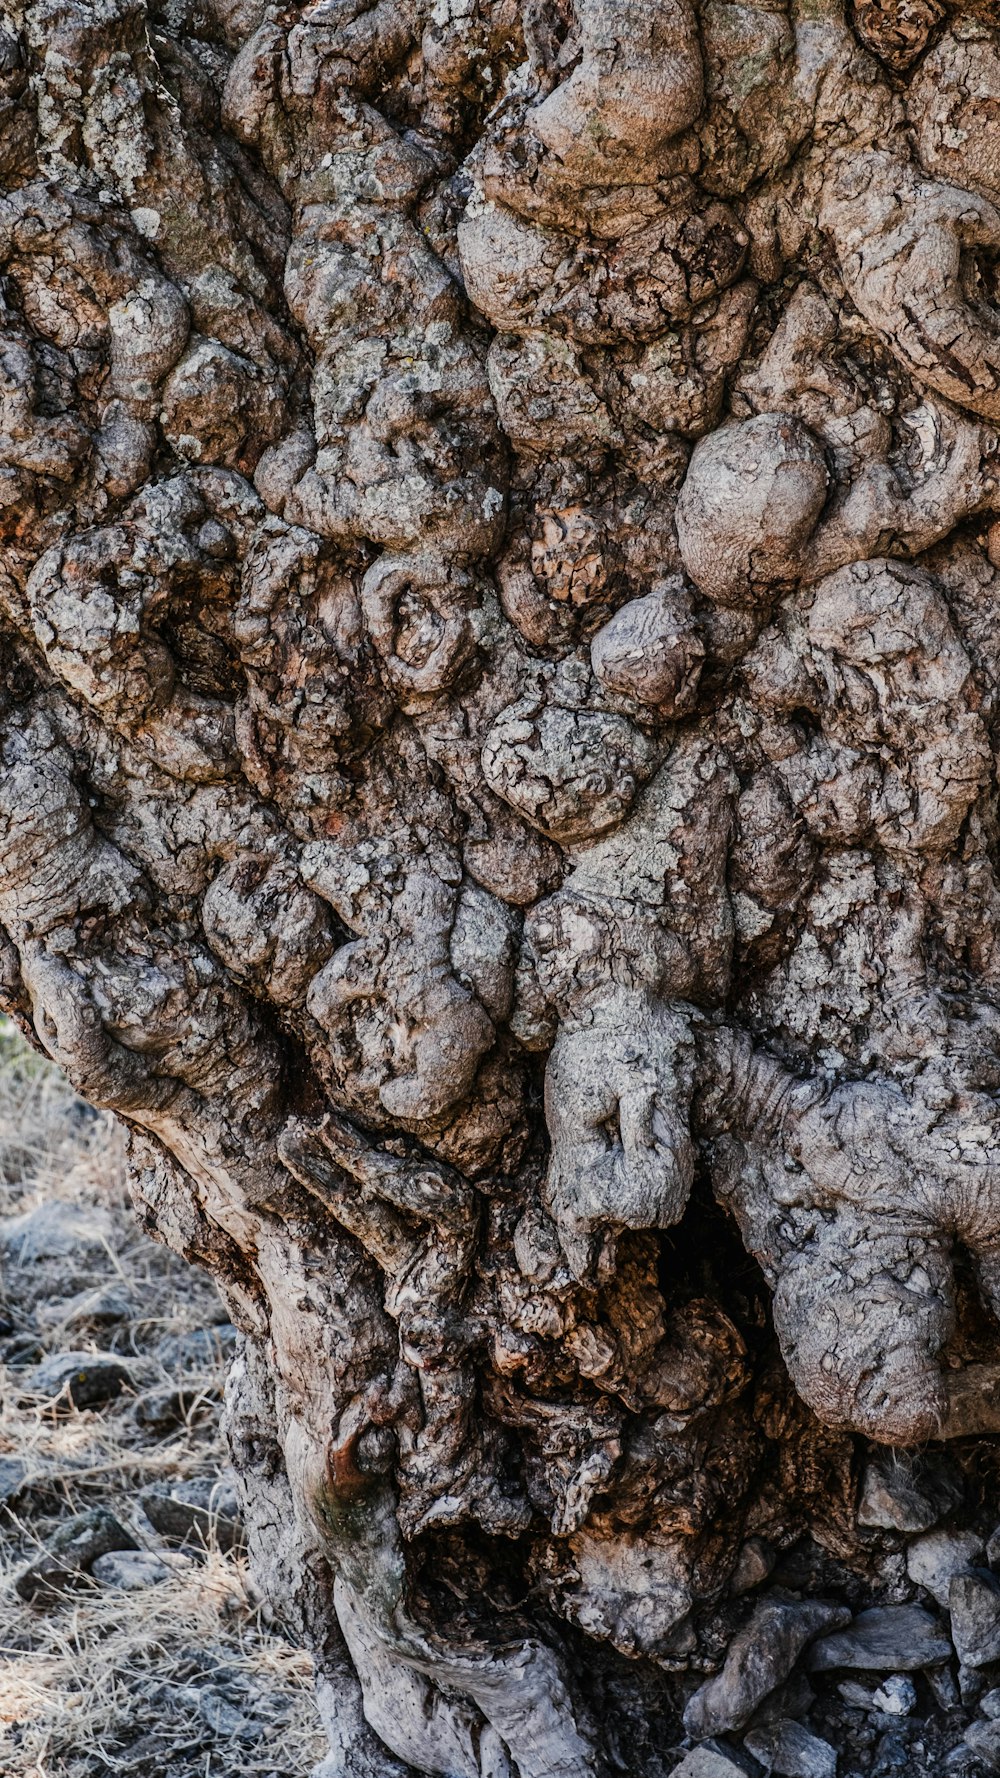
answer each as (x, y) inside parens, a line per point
(498, 713)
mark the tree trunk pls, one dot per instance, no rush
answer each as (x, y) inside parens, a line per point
(498, 700)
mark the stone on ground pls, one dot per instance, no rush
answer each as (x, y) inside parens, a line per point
(129, 1571)
(192, 1512)
(984, 1740)
(84, 1379)
(885, 1639)
(56, 1230)
(892, 1499)
(201, 1347)
(159, 1408)
(754, 1564)
(66, 1562)
(974, 1600)
(13, 1477)
(896, 1696)
(715, 1761)
(790, 1751)
(759, 1657)
(106, 1306)
(944, 1688)
(933, 1560)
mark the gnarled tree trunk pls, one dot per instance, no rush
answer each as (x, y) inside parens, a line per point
(498, 704)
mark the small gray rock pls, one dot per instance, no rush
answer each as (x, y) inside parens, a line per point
(68, 1557)
(129, 1571)
(754, 1564)
(190, 1512)
(973, 1683)
(856, 1695)
(87, 1379)
(974, 1601)
(792, 1700)
(202, 1347)
(941, 1681)
(984, 1740)
(932, 1561)
(223, 1718)
(896, 1696)
(106, 1307)
(993, 1549)
(888, 1702)
(990, 1705)
(13, 1477)
(167, 1407)
(885, 1639)
(144, 1757)
(892, 1499)
(55, 1230)
(22, 1350)
(713, 1760)
(759, 1657)
(791, 1751)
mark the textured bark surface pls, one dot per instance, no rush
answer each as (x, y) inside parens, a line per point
(498, 708)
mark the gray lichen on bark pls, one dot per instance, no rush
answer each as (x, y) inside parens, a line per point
(498, 715)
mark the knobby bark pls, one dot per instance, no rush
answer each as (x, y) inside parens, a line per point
(498, 712)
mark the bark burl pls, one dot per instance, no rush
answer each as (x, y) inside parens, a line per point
(499, 683)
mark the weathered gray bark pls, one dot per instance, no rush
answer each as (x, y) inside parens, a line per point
(498, 717)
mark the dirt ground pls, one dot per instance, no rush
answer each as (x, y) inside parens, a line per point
(167, 1665)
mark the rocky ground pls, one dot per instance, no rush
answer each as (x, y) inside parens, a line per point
(130, 1637)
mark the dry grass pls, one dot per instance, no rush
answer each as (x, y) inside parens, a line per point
(183, 1679)
(47, 1132)
(110, 1664)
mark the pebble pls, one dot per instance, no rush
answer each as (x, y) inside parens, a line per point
(990, 1705)
(973, 1683)
(202, 1346)
(889, 1701)
(974, 1601)
(944, 1688)
(754, 1563)
(896, 1696)
(193, 1511)
(70, 1553)
(217, 1711)
(794, 1699)
(712, 1760)
(885, 1639)
(933, 1560)
(792, 1752)
(759, 1657)
(892, 1499)
(56, 1230)
(984, 1740)
(168, 1407)
(85, 1379)
(22, 1350)
(13, 1476)
(223, 1718)
(893, 1755)
(856, 1695)
(993, 1548)
(129, 1571)
(105, 1307)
